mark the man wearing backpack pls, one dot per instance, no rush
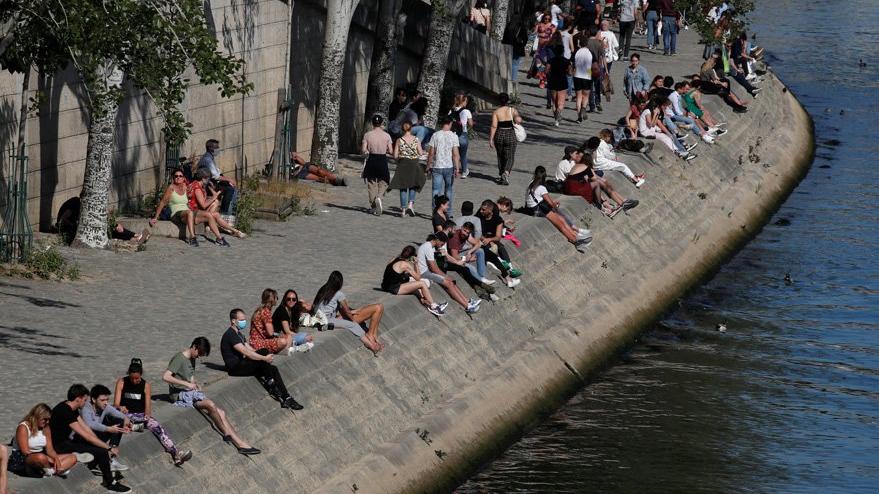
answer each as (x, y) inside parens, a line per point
(462, 121)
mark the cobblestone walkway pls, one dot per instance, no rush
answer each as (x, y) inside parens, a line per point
(151, 304)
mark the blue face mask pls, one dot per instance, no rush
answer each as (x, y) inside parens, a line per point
(242, 323)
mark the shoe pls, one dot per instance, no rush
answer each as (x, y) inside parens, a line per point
(182, 457)
(249, 451)
(598, 108)
(629, 204)
(707, 138)
(464, 174)
(579, 119)
(84, 457)
(48, 472)
(442, 306)
(411, 211)
(719, 132)
(492, 266)
(755, 91)
(472, 308)
(116, 466)
(342, 182)
(740, 109)
(583, 234)
(487, 281)
(513, 283)
(292, 404)
(504, 180)
(639, 182)
(303, 348)
(435, 310)
(581, 245)
(689, 157)
(515, 272)
(193, 242)
(117, 487)
(137, 427)
(690, 147)
(222, 242)
(378, 207)
(556, 123)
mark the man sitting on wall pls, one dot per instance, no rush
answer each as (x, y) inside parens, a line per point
(226, 185)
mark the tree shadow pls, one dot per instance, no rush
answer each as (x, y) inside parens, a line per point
(33, 341)
(42, 302)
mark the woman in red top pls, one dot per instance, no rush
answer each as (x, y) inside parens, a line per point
(262, 331)
(634, 114)
(207, 207)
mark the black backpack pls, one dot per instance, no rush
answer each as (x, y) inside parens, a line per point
(457, 128)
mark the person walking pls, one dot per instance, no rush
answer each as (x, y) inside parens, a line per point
(627, 23)
(502, 137)
(409, 177)
(444, 160)
(671, 19)
(378, 145)
(652, 18)
(582, 75)
(462, 122)
(559, 68)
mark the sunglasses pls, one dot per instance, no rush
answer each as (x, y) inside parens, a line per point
(178, 176)
(292, 299)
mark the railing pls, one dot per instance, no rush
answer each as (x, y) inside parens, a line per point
(16, 236)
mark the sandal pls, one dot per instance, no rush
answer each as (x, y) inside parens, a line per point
(239, 234)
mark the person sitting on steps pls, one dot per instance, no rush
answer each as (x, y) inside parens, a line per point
(428, 269)
(133, 397)
(401, 278)
(185, 392)
(207, 208)
(540, 203)
(263, 334)
(177, 199)
(243, 360)
(33, 453)
(108, 423)
(288, 316)
(605, 159)
(332, 302)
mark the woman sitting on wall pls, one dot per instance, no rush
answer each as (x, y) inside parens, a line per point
(540, 203)
(32, 452)
(262, 330)
(586, 182)
(332, 302)
(207, 207)
(440, 213)
(176, 197)
(287, 318)
(401, 278)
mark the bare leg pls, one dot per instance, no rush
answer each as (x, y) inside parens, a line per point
(562, 226)
(455, 292)
(190, 223)
(419, 287)
(218, 416)
(4, 461)
(373, 313)
(205, 217)
(617, 198)
(225, 224)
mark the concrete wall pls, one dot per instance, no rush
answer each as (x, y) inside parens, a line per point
(448, 393)
(256, 30)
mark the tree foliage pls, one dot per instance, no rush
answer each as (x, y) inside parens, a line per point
(697, 16)
(151, 42)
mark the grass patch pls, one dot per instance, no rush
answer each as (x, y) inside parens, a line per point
(43, 262)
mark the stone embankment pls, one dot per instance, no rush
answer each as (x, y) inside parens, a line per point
(449, 393)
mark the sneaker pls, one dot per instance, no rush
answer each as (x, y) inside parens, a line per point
(84, 457)
(193, 242)
(740, 109)
(442, 306)
(598, 108)
(487, 281)
(464, 174)
(581, 245)
(182, 457)
(292, 404)
(584, 234)
(48, 472)
(493, 297)
(515, 272)
(719, 132)
(474, 301)
(707, 138)
(639, 182)
(117, 487)
(222, 242)
(378, 207)
(435, 310)
(629, 204)
(138, 427)
(472, 308)
(492, 266)
(504, 180)
(690, 147)
(305, 347)
(116, 466)
(689, 157)
(249, 451)
(513, 283)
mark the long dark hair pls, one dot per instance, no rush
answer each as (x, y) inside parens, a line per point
(407, 253)
(439, 201)
(539, 178)
(569, 150)
(297, 307)
(326, 292)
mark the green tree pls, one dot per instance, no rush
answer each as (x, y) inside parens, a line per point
(697, 17)
(150, 44)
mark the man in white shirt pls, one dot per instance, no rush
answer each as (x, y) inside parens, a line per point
(604, 158)
(582, 75)
(679, 115)
(555, 13)
(428, 269)
(444, 160)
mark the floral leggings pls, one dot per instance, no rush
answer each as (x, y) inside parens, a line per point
(156, 428)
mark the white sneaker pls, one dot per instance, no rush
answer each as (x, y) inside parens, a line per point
(488, 281)
(690, 147)
(435, 310)
(513, 283)
(115, 466)
(689, 157)
(707, 138)
(464, 174)
(493, 297)
(84, 457)
(138, 427)
(48, 472)
(472, 308)
(492, 266)
(639, 183)
(584, 233)
(305, 347)
(442, 306)
(378, 206)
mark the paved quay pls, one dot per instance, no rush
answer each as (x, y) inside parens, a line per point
(151, 304)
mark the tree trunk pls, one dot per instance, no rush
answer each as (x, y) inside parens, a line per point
(326, 128)
(95, 197)
(443, 21)
(380, 90)
(499, 18)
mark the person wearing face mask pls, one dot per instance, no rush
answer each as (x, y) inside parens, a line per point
(242, 360)
(227, 185)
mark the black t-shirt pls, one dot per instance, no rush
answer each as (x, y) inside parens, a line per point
(489, 226)
(231, 356)
(279, 316)
(437, 220)
(59, 424)
(653, 5)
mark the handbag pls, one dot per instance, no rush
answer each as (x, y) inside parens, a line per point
(518, 129)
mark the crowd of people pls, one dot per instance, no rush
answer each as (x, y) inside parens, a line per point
(573, 56)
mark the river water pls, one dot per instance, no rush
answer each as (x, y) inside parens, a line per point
(787, 399)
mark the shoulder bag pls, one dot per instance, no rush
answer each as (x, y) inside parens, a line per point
(518, 129)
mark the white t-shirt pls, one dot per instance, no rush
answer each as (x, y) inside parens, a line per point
(611, 45)
(466, 116)
(442, 143)
(426, 252)
(643, 127)
(583, 64)
(554, 12)
(537, 194)
(564, 169)
(566, 44)
(329, 309)
(675, 99)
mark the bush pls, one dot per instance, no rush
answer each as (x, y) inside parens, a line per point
(49, 263)
(245, 208)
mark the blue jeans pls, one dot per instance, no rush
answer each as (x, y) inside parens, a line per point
(595, 94)
(443, 180)
(423, 134)
(463, 144)
(477, 269)
(669, 34)
(514, 69)
(670, 124)
(652, 31)
(570, 86)
(406, 196)
(688, 121)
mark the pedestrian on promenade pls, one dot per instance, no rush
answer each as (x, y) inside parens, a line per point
(287, 317)
(185, 392)
(409, 177)
(70, 434)
(582, 75)
(516, 35)
(244, 360)
(401, 278)
(33, 453)
(611, 45)
(429, 270)
(133, 397)
(540, 203)
(599, 68)
(332, 302)
(558, 70)
(462, 122)
(263, 334)
(636, 80)
(377, 146)
(502, 137)
(651, 17)
(444, 160)
(671, 22)
(176, 197)
(627, 12)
